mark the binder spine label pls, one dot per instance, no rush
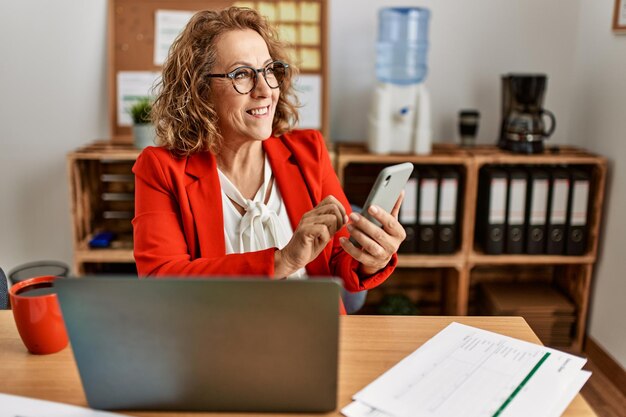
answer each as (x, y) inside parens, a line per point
(497, 203)
(539, 202)
(558, 214)
(447, 206)
(581, 196)
(517, 205)
(408, 209)
(428, 201)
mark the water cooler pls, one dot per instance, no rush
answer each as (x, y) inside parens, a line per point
(400, 118)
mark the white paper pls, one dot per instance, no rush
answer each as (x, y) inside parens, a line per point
(574, 387)
(472, 372)
(13, 405)
(565, 396)
(167, 26)
(133, 86)
(357, 409)
(309, 91)
(550, 382)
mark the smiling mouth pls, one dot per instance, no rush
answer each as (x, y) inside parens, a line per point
(259, 111)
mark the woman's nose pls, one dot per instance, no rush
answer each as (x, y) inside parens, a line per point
(261, 89)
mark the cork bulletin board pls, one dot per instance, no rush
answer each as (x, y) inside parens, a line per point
(135, 42)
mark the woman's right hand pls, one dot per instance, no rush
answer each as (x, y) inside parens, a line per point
(315, 230)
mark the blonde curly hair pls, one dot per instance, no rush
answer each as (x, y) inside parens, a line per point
(183, 113)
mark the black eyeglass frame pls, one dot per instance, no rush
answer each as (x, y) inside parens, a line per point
(255, 71)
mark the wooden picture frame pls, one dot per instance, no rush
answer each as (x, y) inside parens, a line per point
(619, 17)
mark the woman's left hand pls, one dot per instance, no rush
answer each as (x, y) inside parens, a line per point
(377, 244)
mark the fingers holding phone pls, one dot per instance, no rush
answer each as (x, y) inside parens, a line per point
(375, 245)
(316, 228)
(377, 231)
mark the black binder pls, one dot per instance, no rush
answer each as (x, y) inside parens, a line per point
(492, 210)
(427, 211)
(576, 243)
(537, 210)
(557, 212)
(516, 211)
(447, 220)
(408, 214)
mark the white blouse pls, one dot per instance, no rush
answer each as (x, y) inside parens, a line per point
(262, 226)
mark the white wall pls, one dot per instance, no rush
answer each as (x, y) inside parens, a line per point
(53, 99)
(600, 125)
(472, 43)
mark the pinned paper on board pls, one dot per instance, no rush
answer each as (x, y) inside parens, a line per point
(309, 91)
(167, 26)
(133, 86)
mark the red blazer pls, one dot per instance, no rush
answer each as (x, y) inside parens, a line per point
(179, 224)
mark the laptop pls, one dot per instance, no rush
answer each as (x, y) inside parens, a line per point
(204, 344)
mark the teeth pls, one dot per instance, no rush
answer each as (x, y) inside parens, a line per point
(258, 112)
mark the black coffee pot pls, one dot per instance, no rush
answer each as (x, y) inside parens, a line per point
(523, 128)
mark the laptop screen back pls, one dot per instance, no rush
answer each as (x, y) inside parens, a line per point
(204, 344)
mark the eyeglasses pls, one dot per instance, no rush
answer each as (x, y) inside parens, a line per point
(245, 78)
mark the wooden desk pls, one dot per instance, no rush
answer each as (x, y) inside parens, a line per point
(369, 346)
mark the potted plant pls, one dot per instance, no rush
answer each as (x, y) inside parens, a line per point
(143, 130)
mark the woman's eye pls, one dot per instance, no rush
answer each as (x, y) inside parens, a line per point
(242, 75)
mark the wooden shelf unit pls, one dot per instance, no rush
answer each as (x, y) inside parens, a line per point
(86, 167)
(470, 266)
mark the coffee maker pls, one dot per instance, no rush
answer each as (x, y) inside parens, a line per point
(523, 128)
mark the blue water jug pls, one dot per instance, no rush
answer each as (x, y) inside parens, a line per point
(402, 45)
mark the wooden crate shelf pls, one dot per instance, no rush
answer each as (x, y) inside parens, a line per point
(102, 191)
(478, 258)
(469, 266)
(429, 261)
(572, 280)
(104, 256)
(103, 150)
(427, 288)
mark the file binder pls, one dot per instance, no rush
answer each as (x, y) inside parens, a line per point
(408, 214)
(516, 211)
(447, 228)
(577, 214)
(557, 217)
(537, 203)
(492, 210)
(427, 213)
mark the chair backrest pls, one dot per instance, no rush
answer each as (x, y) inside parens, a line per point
(37, 269)
(4, 291)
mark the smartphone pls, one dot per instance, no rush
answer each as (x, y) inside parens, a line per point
(386, 190)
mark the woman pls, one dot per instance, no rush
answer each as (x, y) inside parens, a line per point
(232, 190)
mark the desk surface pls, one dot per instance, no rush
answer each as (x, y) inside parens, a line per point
(369, 346)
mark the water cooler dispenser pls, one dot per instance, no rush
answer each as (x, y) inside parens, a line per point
(400, 119)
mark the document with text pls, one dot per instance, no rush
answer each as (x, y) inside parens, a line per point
(466, 371)
(16, 406)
